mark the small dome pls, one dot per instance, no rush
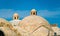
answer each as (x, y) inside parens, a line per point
(32, 22)
(15, 20)
(33, 10)
(15, 14)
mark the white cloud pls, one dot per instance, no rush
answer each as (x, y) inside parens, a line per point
(51, 14)
(8, 13)
(23, 13)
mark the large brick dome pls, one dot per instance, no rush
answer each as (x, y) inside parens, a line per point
(32, 22)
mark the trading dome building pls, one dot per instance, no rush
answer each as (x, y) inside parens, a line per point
(32, 25)
(33, 21)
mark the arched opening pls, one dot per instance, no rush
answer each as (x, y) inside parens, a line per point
(15, 18)
(2, 33)
(34, 13)
(55, 34)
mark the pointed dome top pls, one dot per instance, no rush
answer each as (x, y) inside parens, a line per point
(15, 20)
(15, 14)
(33, 10)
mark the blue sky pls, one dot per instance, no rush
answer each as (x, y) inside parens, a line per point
(49, 9)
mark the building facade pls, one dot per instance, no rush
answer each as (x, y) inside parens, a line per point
(32, 25)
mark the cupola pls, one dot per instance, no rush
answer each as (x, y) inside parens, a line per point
(33, 12)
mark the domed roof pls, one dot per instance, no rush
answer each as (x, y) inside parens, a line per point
(33, 10)
(35, 19)
(15, 14)
(15, 20)
(31, 22)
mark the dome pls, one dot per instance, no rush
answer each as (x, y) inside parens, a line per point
(15, 14)
(15, 20)
(35, 19)
(33, 10)
(31, 22)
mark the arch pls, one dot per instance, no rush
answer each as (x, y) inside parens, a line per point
(55, 34)
(2, 33)
(34, 13)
